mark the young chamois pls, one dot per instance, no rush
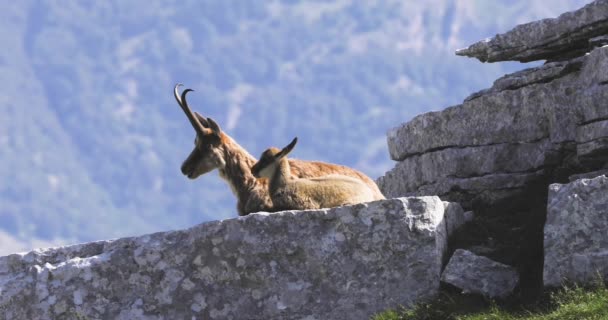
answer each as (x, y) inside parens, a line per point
(214, 149)
(292, 193)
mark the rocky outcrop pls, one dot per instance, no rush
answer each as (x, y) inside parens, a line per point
(576, 245)
(343, 263)
(567, 36)
(498, 141)
(498, 151)
(476, 274)
(531, 128)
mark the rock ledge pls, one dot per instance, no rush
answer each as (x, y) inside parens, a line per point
(567, 36)
(341, 263)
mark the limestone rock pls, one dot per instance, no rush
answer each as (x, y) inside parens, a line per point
(529, 125)
(490, 119)
(454, 217)
(588, 175)
(592, 139)
(480, 167)
(498, 151)
(576, 245)
(480, 275)
(341, 263)
(599, 41)
(522, 107)
(569, 35)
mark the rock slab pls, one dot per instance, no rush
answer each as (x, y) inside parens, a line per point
(480, 275)
(530, 125)
(575, 241)
(571, 34)
(341, 263)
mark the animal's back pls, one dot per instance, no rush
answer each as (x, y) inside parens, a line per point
(336, 190)
(321, 192)
(314, 169)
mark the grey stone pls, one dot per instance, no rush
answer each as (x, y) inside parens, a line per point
(592, 103)
(524, 115)
(529, 124)
(480, 275)
(592, 93)
(575, 242)
(592, 131)
(499, 181)
(485, 190)
(498, 117)
(597, 148)
(468, 162)
(341, 263)
(598, 41)
(526, 106)
(592, 138)
(497, 152)
(469, 216)
(543, 74)
(454, 217)
(588, 175)
(565, 36)
(482, 250)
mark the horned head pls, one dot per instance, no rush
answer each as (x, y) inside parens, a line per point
(206, 154)
(269, 160)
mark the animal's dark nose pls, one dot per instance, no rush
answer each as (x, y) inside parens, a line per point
(186, 170)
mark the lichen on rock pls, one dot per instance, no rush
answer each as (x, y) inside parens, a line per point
(576, 245)
(341, 263)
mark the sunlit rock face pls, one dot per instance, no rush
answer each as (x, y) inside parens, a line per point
(342, 263)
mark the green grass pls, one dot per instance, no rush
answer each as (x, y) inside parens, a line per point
(566, 304)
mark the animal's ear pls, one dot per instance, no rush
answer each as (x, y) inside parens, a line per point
(201, 119)
(287, 149)
(214, 127)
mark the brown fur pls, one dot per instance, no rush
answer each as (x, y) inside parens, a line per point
(292, 193)
(252, 194)
(216, 150)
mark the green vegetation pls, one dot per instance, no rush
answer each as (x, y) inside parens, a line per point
(566, 304)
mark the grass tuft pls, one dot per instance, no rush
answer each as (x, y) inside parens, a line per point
(568, 303)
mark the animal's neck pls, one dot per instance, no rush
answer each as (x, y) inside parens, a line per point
(282, 175)
(237, 171)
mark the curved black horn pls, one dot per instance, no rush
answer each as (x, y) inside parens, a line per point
(183, 103)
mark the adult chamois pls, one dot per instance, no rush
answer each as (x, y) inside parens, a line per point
(214, 149)
(292, 193)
